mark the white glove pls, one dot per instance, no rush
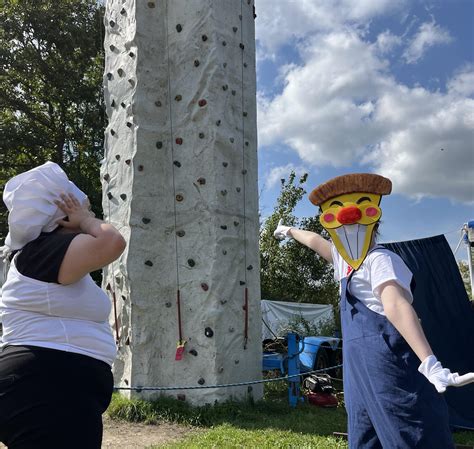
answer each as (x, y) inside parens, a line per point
(281, 232)
(442, 377)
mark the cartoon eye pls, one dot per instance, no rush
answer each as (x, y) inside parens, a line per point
(361, 200)
(328, 218)
(371, 211)
(336, 203)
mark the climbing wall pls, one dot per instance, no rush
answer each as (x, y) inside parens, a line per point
(180, 182)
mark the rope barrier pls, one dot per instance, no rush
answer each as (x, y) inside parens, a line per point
(238, 384)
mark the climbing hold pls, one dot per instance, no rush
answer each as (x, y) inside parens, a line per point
(112, 47)
(193, 352)
(129, 124)
(127, 341)
(106, 177)
(246, 143)
(109, 76)
(250, 267)
(225, 87)
(223, 192)
(204, 38)
(202, 103)
(218, 123)
(145, 220)
(178, 98)
(131, 82)
(191, 263)
(179, 197)
(179, 141)
(245, 64)
(168, 304)
(120, 72)
(131, 54)
(201, 381)
(108, 287)
(128, 161)
(236, 362)
(112, 132)
(112, 23)
(149, 263)
(242, 282)
(224, 65)
(208, 332)
(201, 181)
(221, 369)
(151, 4)
(225, 164)
(224, 252)
(159, 145)
(123, 11)
(201, 135)
(224, 227)
(140, 168)
(244, 172)
(118, 279)
(244, 114)
(196, 63)
(234, 29)
(123, 105)
(112, 104)
(180, 233)
(231, 140)
(158, 103)
(231, 329)
(179, 28)
(205, 287)
(240, 16)
(125, 381)
(224, 43)
(124, 298)
(117, 156)
(177, 163)
(238, 189)
(233, 92)
(242, 46)
(109, 195)
(123, 196)
(223, 301)
(236, 223)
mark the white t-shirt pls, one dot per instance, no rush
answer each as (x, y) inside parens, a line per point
(379, 266)
(71, 318)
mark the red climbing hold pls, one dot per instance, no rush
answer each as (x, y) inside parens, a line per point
(202, 103)
(179, 141)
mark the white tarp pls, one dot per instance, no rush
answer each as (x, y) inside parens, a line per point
(277, 314)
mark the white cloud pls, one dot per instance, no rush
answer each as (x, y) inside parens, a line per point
(428, 35)
(278, 173)
(463, 82)
(387, 41)
(341, 107)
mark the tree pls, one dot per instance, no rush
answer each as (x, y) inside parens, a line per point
(51, 90)
(291, 271)
(464, 270)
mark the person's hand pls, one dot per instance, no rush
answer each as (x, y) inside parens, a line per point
(76, 212)
(282, 232)
(441, 377)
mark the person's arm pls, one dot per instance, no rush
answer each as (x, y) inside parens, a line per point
(99, 245)
(401, 314)
(310, 239)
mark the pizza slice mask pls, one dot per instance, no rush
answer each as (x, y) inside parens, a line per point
(350, 209)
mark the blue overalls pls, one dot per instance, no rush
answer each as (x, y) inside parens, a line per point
(389, 403)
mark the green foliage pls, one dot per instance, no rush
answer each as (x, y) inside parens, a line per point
(299, 325)
(50, 90)
(289, 270)
(466, 278)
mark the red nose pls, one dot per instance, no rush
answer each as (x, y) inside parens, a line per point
(349, 215)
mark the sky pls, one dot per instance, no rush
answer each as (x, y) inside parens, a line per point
(377, 86)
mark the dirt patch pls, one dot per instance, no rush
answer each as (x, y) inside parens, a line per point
(125, 435)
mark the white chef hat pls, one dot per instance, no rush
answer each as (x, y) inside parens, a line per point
(30, 198)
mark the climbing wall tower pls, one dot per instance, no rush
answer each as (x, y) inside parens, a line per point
(180, 182)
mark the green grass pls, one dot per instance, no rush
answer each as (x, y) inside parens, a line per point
(269, 423)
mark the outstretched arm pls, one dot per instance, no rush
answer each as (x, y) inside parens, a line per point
(401, 314)
(310, 239)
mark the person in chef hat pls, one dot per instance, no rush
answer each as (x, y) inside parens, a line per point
(392, 400)
(57, 346)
